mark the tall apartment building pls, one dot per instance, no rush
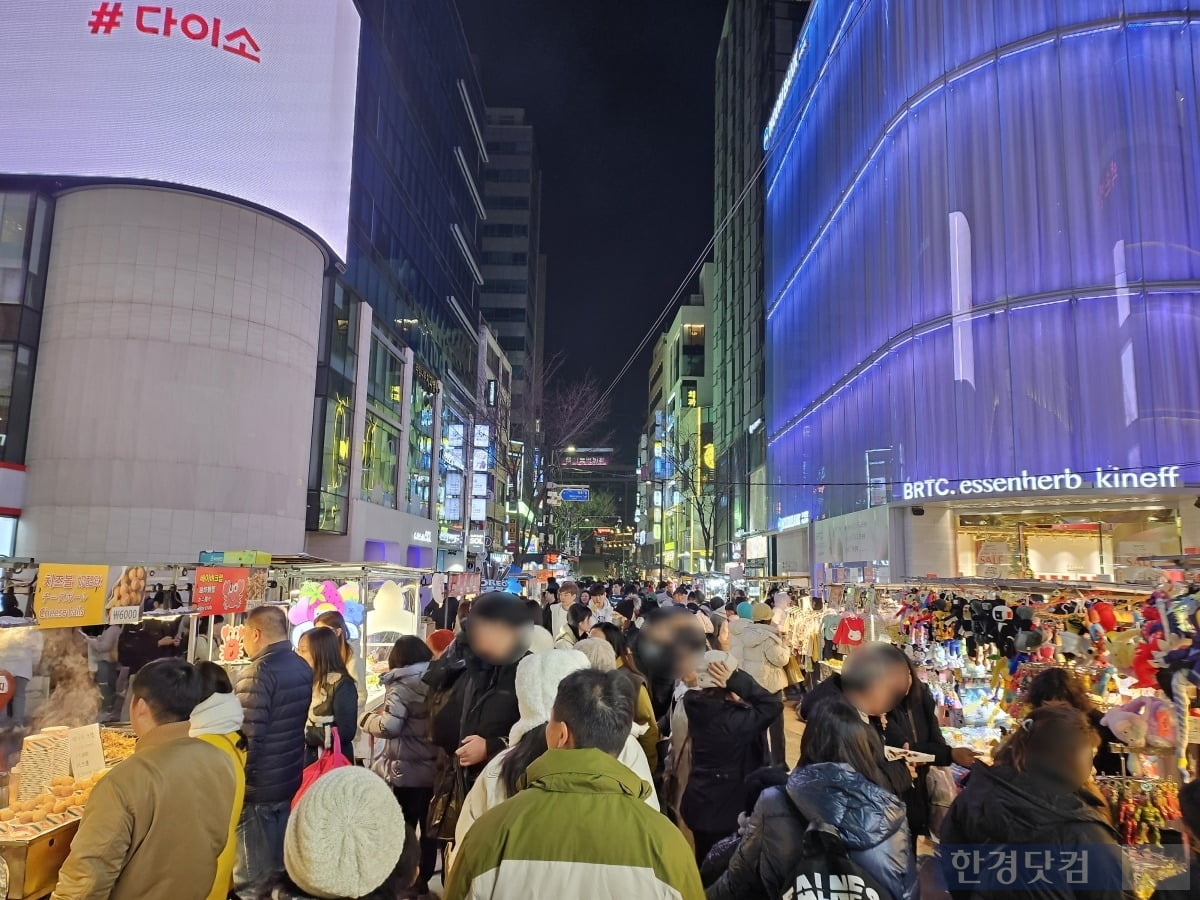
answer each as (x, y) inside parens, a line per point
(513, 296)
(752, 59)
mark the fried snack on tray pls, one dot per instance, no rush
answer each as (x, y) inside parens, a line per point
(117, 746)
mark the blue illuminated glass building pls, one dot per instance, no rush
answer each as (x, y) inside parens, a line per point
(982, 277)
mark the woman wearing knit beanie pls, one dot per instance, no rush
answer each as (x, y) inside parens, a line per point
(346, 840)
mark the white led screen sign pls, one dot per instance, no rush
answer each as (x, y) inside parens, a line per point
(246, 98)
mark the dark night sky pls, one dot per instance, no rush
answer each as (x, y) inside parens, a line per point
(620, 95)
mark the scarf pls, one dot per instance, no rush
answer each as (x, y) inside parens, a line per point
(219, 714)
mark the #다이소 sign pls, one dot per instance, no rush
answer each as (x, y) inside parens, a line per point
(247, 98)
(220, 591)
(70, 596)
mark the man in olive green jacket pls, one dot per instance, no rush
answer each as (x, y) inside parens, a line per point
(532, 846)
(155, 825)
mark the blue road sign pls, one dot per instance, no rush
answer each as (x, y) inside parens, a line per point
(575, 495)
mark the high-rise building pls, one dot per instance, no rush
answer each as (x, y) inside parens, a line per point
(752, 58)
(983, 223)
(401, 356)
(676, 503)
(513, 296)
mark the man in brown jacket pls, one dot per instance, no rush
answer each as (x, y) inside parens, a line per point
(156, 823)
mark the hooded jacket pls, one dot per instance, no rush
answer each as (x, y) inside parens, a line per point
(218, 721)
(407, 758)
(275, 691)
(535, 838)
(727, 745)
(761, 652)
(869, 820)
(1000, 806)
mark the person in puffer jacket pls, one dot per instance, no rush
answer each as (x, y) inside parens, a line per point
(763, 655)
(837, 784)
(407, 759)
(275, 691)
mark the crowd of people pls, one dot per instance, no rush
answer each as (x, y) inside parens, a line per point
(613, 740)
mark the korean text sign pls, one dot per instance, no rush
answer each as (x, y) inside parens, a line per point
(221, 591)
(248, 98)
(70, 596)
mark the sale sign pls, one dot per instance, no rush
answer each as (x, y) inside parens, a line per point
(220, 590)
(8, 687)
(69, 596)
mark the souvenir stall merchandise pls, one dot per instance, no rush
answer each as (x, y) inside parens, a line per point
(822, 628)
(379, 602)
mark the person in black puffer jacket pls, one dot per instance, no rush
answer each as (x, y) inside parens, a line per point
(473, 694)
(1038, 794)
(836, 785)
(275, 691)
(727, 714)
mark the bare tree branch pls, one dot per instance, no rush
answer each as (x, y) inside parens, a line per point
(695, 484)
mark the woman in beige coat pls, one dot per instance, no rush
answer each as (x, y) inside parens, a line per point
(763, 655)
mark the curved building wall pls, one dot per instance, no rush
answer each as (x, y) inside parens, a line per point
(172, 407)
(983, 231)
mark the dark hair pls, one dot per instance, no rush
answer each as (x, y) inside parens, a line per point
(761, 779)
(520, 757)
(835, 733)
(335, 620)
(270, 619)
(1049, 736)
(864, 667)
(171, 688)
(214, 679)
(597, 708)
(620, 644)
(1058, 685)
(395, 885)
(576, 616)
(326, 650)
(408, 651)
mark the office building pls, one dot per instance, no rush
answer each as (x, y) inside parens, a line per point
(752, 58)
(513, 297)
(678, 497)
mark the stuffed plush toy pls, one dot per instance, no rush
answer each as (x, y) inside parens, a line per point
(1129, 728)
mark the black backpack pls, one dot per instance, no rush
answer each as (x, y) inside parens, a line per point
(825, 871)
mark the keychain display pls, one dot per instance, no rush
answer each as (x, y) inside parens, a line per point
(1141, 808)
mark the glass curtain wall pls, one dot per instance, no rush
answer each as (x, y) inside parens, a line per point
(983, 225)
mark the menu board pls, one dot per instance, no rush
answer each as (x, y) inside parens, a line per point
(86, 750)
(70, 596)
(220, 591)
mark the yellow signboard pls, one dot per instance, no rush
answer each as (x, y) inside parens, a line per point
(70, 596)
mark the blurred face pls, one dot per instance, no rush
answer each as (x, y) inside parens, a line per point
(877, 700)
(302, 648)
(494, 642)
(252, 640)
(1083, 762)
(900, 679)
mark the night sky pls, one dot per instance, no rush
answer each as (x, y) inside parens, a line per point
(620, 95)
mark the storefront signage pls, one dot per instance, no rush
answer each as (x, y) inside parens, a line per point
(120, 74)
(221, 591)
(797, 520)
(1065, 481)
(756, 547)
(8, 687)
(70, 596)
(423, 537)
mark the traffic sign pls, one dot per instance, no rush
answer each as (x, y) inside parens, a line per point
(575, 495)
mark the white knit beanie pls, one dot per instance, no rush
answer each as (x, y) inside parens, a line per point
(538, 676)
(345, 836)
